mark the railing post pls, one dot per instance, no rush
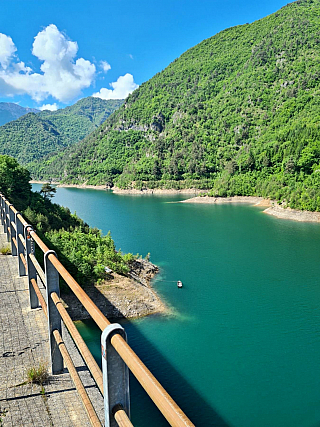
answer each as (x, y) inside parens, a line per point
(7, 221)
(4, 222)
(20, 249)
(115, 375)
(31, 271)
(12, 231)
(54, 318)
(2, 201)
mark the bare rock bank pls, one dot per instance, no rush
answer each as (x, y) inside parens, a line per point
(272, 207)
(159, 191)
(293, 214)
(257, 201)
(121, 296)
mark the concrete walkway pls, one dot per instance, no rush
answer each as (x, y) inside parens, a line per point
(24, 344)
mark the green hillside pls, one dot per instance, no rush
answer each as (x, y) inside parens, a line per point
(36, 135)
(238, 113)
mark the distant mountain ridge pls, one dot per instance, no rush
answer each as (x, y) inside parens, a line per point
(34, 136)
(10, 111)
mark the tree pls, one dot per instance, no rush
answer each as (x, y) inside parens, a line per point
(48, 191)
(14, 182)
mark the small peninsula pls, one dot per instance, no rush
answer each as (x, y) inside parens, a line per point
(272, 207)
(121, 296)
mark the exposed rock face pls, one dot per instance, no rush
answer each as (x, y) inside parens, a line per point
(143, 271)
(157, 124)
(121, 296)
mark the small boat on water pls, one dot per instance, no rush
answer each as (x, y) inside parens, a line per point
(179, 284)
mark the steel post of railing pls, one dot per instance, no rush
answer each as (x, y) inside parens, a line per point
(2, 209)
(3, 212)
(4, 218)
(13, 232)
(54, 318)
(115, 375)
(20, 248)
(31, 271)
(6, 206)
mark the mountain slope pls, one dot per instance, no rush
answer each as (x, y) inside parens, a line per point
(239, 112)
(36, 135)
(10, 111)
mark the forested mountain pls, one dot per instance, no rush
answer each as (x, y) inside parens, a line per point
(238, 113)
(10, 111)
(36, 135)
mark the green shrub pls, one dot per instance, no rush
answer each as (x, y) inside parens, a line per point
(5, 250)
(38, 374)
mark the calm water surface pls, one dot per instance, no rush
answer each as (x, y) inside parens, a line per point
(242, 347)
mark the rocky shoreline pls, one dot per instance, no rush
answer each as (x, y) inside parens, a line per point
(257, 201)
(121, 296)
(293, 214)
(272, 208)
(158, 191)
(84, 186)
(116, 190)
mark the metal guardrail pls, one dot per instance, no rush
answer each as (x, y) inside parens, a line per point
(117, 355)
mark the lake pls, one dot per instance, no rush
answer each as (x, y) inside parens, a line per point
(242, 345)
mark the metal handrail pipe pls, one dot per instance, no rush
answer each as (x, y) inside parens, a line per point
(38, 268)
(22, 240)
(85, 352)
(40, 297)
(23, 260)
(13, 225)
(23, 221)
(15, 242)
(39, 242)
(121, 416)
(93, 418)
(85, 300)
(167, 406)
(14, 210)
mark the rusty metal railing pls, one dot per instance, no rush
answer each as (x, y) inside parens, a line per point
(117, 355)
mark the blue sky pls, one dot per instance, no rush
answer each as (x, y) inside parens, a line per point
(106, 48)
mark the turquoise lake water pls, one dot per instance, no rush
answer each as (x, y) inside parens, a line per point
(243, 345)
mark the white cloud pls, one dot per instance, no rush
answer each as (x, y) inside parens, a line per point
(7, 49)
(105, 66)
(121, 88)
(51, 46)
(21, 66)
(51, 107)
(62, 76)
